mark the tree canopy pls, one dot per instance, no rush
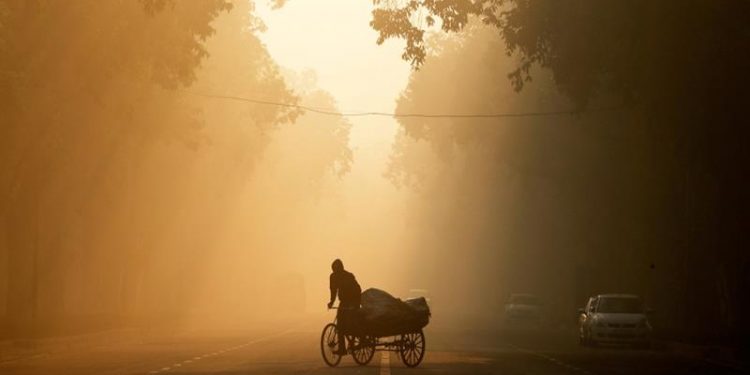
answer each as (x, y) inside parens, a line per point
(663, 176)
(116, 175)
(651, 52)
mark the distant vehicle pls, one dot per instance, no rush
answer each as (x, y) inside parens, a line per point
(523, 308)
(614, 319)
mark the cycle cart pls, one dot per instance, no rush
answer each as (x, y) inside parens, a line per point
(364, 341)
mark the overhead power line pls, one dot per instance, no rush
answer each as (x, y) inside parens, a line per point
(330, 112)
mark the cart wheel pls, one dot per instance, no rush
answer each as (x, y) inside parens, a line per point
(329, 343)
(363, 349)
(412, 348)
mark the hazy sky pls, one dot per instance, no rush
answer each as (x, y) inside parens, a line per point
(333, 38)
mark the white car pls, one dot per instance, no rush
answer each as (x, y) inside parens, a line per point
(614, 319)
(523, 308)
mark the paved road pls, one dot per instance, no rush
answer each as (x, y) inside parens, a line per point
(295, 351)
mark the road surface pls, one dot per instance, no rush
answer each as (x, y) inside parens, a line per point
(296, 351)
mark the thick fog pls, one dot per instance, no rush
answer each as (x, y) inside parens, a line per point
(158, 168)
(134, 195)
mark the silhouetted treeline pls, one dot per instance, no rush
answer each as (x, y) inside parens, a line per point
(120, 182)
(643, 191)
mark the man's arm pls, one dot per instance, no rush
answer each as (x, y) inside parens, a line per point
(334, 290)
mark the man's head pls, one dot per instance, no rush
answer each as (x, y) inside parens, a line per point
(337, 265)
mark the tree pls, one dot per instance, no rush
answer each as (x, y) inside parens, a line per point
(643, 50)
(676, 70)
(100, 150)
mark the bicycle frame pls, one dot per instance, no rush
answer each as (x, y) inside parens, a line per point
(410, 345)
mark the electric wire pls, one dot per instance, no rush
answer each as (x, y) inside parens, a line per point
(330, 112)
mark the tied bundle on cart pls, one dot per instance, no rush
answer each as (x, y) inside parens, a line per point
(383, 315)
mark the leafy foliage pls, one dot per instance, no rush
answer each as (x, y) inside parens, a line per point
(112, 167)
(646, 51)
(657, 179)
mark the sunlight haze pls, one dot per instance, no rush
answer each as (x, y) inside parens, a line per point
(229, 187)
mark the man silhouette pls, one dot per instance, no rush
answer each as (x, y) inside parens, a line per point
(344, 284)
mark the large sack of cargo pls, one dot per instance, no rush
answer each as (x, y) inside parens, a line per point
(385, 315)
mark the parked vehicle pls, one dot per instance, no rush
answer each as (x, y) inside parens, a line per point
(614, 319)
(523, 308)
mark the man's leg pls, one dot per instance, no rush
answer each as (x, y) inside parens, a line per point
(342, 344)
(342, 321)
